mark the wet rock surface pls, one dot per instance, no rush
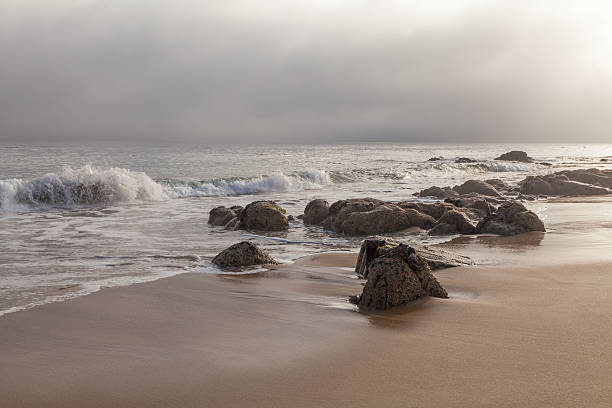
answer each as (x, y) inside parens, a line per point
(316, 212)
(244, 253)
(510, 219)
(263, 216)
(396, 275)
(222, 215)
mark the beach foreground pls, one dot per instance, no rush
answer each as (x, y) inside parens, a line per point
(508, 336)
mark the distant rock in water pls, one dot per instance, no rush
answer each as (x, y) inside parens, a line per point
(244, 253)
(436, 158)
(559, 184)
(263, 216)
(477, 187)
(465, 160)
(316, 211)
(516, 156)
(396, 275)
(511, 218)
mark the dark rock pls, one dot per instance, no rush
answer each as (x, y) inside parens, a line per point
(396, 276)
(515, 155)
(442, 228)
(499, 185)
(477, 187)
(547, 164)
(435, 210)
(221, 215)
(457, 219)
(436, 158)
(465, 160)
(316, 211)
(560, 185)
(511, 218)
(383, 219)
(438, 192)
(242, 254)
(263, 216)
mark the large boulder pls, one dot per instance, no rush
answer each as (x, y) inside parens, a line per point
(263, 216)
(384, 218)
(477, 187)
(516, 156)
(436, 257)
(453, 222)
(398, 275)
(340, 210)
(316, 212)
(511, 218)
(222, 215)
(559, 185)
(244, 253)
(435, 210)
(596, 177)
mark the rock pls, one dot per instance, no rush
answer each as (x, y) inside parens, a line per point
(436, 257)
(221, 215)
(384, 218)
(596, 177)
(316, 212)
(244, 253)
(461, 224)
(396, 276)
(515, 155)
(442, 228)
(547, 164)
(498, 184)
(480, 206)
(465, 160)
(477, 187)
(436, 158)
(511, 218)
(340, 210)
(559, 184)
(435, 210)
(263, 216)
(438, 192)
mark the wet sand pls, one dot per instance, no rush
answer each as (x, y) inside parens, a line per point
(509, 336)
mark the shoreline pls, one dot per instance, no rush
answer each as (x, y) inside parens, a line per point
(281, 338)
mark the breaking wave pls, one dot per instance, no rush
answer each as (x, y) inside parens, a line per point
(278, 182)
(84, 186)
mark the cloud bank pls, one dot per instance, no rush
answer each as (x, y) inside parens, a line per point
(323, 71)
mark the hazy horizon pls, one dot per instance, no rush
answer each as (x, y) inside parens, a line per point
(323, 72)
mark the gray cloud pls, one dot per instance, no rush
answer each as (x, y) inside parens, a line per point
(239, 71)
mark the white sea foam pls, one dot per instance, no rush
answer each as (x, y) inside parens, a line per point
(278, 182)
(86, 185)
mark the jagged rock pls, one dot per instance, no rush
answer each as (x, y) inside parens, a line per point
(263, 216)
(398, 275)
(465, 160)
(316, 211)
(477, 187)
(438, 192)
(436, 257)
(559, 185)
(383, 219)
(515, 155)
(221, 215)
(461, 223)
(511, 218)
(244, 253)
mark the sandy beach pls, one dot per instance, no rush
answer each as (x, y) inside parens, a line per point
(508, 336)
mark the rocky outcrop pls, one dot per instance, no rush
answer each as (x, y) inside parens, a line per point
(242, 254)
(316, 212)
(435, 210)
(263, 216)
(223, 215)
(559, 184)
(516, 156)
(477, 187)
(511, 218)
(397, 275)
(383, 218)
(438, 192)
(453, 222)
(435, 158)
(436, 257)
(596, 177)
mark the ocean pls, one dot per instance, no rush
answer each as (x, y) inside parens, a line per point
(76, 219)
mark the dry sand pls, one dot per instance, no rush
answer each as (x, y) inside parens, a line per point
(508, 337)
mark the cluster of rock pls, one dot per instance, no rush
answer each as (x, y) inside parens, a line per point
(395, 275)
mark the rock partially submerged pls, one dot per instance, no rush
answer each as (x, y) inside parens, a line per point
(222, 215)
(516, 156)
(397, 275)
(453, 222)
(244, 253)
(465, 160)
(263, 216)
(477, 187)
(316, 212)
(511, 218)
(558, 184)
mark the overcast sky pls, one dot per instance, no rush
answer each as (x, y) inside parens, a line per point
(305, 71)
